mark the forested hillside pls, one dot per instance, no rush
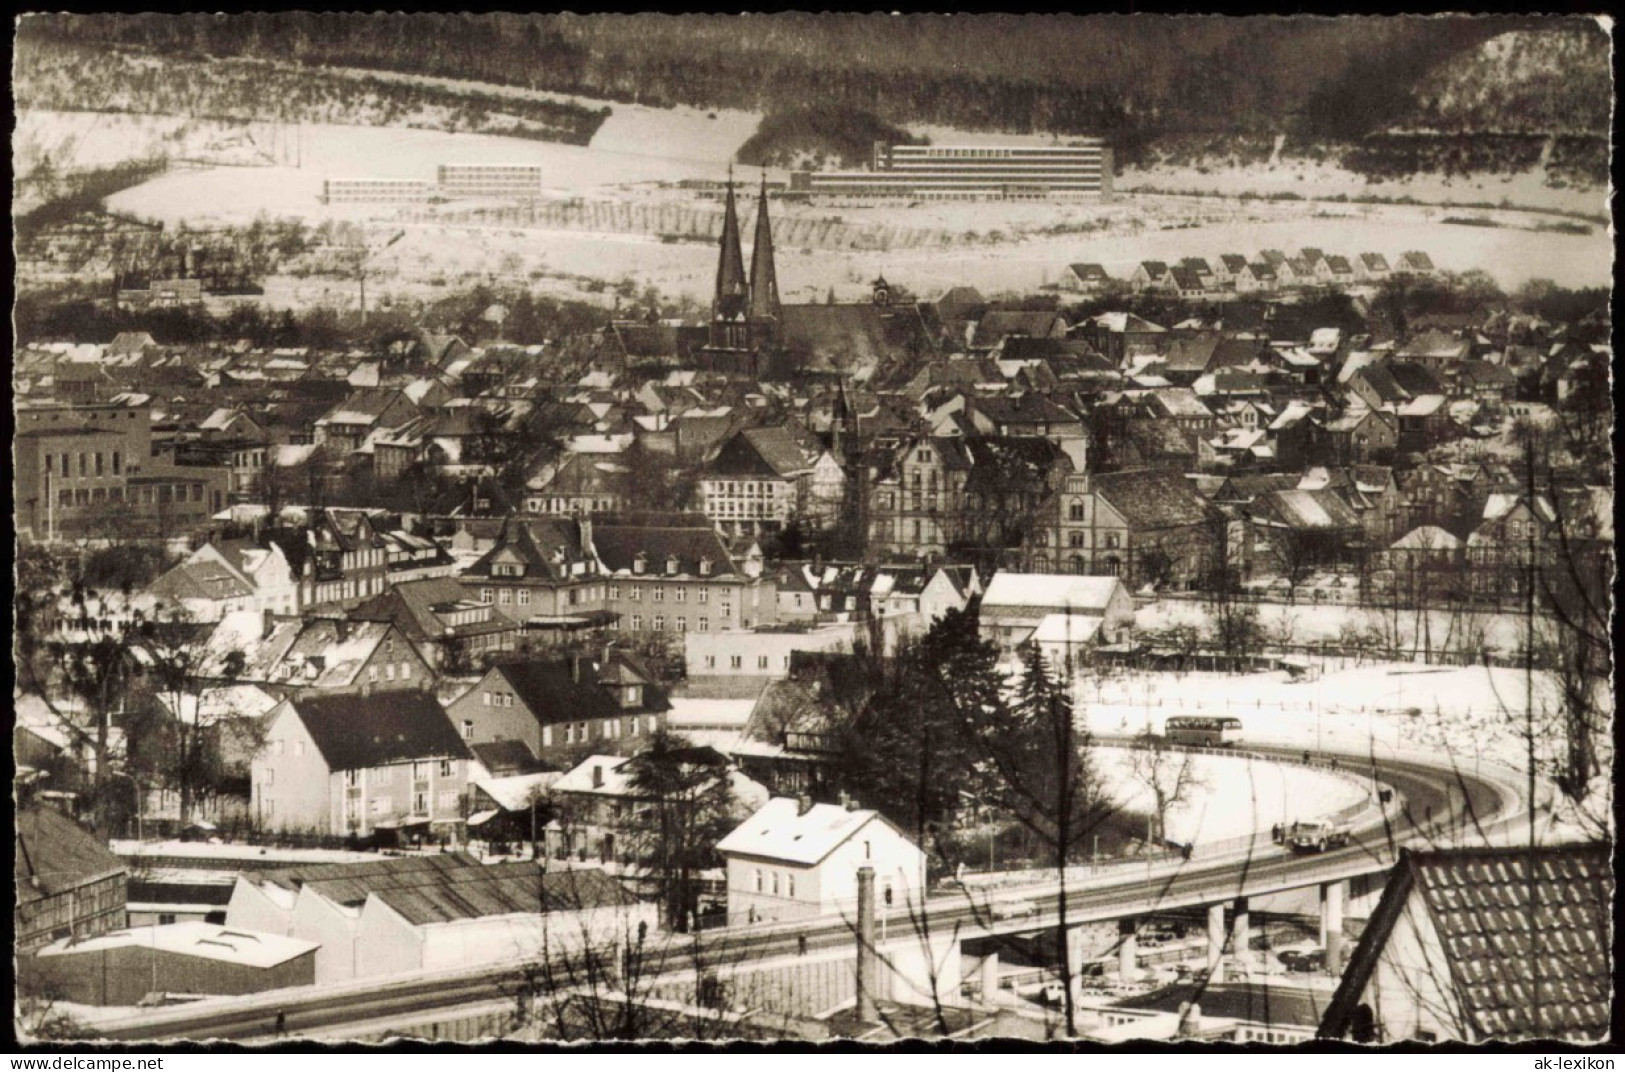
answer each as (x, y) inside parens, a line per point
(65, 75)
(1134, 79)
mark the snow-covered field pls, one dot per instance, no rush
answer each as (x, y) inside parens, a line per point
(1461, 714)
(237, 195)
(641, 152)
(1306, 622)
(1239, 796)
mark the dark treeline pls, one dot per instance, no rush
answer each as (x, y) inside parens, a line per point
(82, 314)
(1130, 78)
(835, 136)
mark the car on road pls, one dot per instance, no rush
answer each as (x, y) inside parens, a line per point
(1014, 909)
(1317, 836)
(1302, 961)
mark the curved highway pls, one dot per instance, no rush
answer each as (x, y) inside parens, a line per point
(1452, 798)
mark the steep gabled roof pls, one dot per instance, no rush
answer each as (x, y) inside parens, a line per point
(1495, 948)
(201, 577)
(1152, 499)
(1322, 509)
(502, 757)
(779, 451)
(847, 336)
(54, 854)
(1187, 278)
(689, 538)
(558, 690)
(536, 541)
(999, 323)
(414, 607)
(361, 732)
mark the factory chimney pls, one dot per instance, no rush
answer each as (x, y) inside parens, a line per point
(867, 956)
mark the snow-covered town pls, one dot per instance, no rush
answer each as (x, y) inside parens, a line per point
(719, 567)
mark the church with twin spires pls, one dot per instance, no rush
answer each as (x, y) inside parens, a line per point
(753, 335)
(746, 315)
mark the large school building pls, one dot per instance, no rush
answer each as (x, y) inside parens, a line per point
(972, 172)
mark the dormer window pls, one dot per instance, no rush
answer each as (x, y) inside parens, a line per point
(671, 564)
(705, 567)
(640, 564)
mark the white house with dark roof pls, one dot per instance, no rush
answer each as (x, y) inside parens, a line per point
(794, 859)
(762, 478)
(1084, 278)
(222, 578)
(356, 764)
(1064, 614)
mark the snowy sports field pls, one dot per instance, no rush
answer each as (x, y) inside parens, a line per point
(1451, 714)
(1238, 796)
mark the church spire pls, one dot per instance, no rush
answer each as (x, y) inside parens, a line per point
(731, 295)
(764, 280)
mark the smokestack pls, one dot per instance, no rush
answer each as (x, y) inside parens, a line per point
(598, 776)
(866, 946)
(803, 804)
(268, 625)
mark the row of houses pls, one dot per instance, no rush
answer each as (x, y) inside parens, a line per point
(1269, 271)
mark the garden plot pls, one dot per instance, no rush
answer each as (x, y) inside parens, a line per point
(1311, 623)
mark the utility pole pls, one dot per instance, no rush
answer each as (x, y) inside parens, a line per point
(1529, 725)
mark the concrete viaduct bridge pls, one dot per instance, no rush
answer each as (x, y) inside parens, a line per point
(1437, 798)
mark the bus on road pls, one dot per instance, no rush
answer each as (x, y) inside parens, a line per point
(1202, 731)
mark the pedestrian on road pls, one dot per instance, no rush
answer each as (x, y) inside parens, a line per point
(281, 1022)
(1306, 759)
(1275, 833)
(801, 945)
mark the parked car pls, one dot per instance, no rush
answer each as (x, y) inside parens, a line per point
(1014, 909)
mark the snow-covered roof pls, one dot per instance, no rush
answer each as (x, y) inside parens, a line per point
(1325, 339)
(688, 713)
(1354, 363)
(1422, 406)
(616, 781)
(231, 701)
(1060, 591)
(210, 941)
(780, 831)
(516, 792)
(1294, 411)
(1067, 629)
(1427, 538)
